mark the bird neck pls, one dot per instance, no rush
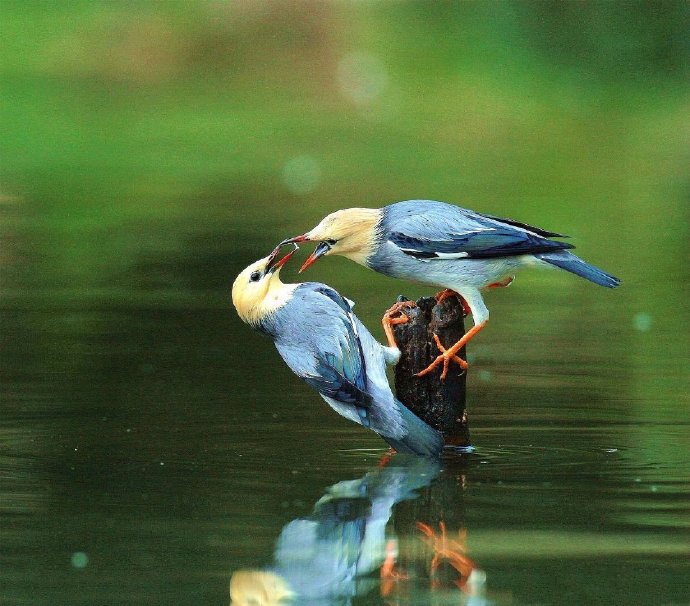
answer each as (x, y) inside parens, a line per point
(276, 296)
(364, 235)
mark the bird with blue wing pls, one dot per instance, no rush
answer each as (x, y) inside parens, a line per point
(443, 245)
(325, 344)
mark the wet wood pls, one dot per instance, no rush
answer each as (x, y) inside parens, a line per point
(440, 403)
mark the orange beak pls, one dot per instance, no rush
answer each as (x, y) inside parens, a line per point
(283, 261)
(273, 265)
(319, 251)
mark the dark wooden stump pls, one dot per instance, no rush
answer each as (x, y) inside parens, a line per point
(440, 403)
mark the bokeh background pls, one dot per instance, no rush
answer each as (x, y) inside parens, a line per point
(151, 150)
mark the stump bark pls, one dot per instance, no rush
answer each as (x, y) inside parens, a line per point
(441, 404)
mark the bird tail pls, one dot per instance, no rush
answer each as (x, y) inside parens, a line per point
(572, 263)
(420, 439)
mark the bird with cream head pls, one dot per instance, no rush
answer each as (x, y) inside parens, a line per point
(325, 344)
(445, 246)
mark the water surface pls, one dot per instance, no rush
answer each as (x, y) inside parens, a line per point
(146, 459)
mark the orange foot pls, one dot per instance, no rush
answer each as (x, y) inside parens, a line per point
(445, 294)
(450, 354)
(395, 316)
(452, 551)
(389, 574)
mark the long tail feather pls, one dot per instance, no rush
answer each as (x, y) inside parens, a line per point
(572, 263)
(420, 439)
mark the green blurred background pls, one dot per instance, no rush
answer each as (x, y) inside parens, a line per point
(132, 130)
(152, 150)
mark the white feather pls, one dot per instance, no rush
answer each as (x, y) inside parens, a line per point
(457, 255)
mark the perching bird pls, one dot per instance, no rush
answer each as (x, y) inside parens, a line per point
(443, 245)
(326, 345)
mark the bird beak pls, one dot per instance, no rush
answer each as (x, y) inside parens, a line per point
(319, 251)
(302, 238)
(272, 265)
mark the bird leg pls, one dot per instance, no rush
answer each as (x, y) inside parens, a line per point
(445, 294)
(389, 572)
(395, 316)
(450, 354)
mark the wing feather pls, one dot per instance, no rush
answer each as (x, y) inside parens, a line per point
(443, 231)
(331, 360)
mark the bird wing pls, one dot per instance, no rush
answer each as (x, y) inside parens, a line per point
(443, 231)
(327, 353)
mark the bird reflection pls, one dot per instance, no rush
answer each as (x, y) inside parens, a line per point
(346, 546)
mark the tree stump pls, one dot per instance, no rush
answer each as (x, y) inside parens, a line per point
(441, 404)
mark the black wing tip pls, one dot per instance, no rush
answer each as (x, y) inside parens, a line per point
(545, 233)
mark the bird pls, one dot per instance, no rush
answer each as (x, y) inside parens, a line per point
(322, 341)
(441, 244)
(329, 556)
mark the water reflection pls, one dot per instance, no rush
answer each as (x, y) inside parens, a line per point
(357, 542)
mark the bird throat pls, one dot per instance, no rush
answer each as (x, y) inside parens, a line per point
(277, 295)
(361, 242)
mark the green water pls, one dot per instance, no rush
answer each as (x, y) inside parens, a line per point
(151, 445)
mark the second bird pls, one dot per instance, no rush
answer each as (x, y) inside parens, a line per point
(326, 345)
(444, 245)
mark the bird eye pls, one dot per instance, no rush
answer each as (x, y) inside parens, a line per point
(331, 242)
(255, 276)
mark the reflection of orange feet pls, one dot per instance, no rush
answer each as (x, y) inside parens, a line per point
(448, 550)
(389, 574)
(395, 316)
(445, 294)
(448, 355)
(386, 458)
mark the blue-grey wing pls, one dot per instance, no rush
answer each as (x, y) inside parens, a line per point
(323, 346)
(330, 378)
(352, 360)
(434, 230)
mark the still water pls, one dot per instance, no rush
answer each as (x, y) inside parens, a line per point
(152, 449)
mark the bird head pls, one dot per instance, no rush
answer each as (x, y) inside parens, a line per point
(350, 232)
(259, 588)
(257, 290)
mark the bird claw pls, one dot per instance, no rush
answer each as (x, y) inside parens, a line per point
(395, 311)
(447, 356)
(394, 316)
